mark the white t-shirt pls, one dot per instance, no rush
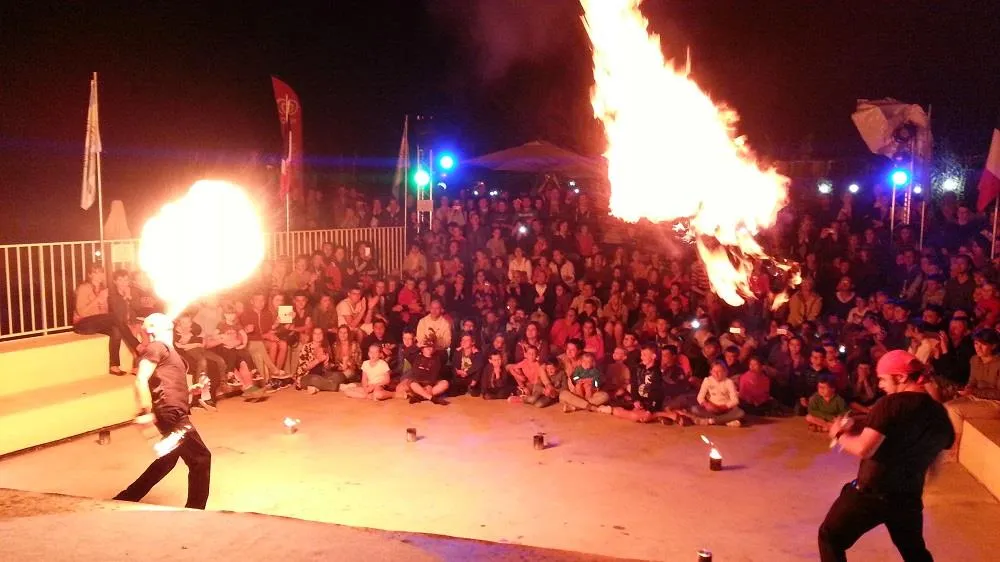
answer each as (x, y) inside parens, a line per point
(345, 308)
(377, 371)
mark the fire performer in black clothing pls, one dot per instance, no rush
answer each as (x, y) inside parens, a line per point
(905, 432)
(163, 397)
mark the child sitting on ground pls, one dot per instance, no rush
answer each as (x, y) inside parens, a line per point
(374, 377)
(584, 383)
(825, 406)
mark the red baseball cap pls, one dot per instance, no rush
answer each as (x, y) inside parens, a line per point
(898, 362)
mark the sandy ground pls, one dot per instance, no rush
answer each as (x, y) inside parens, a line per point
(90, 529)
(604, 486)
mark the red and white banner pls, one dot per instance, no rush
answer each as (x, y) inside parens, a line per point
(290, 116)
(989, 183)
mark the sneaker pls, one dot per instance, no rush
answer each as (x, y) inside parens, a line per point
(208, 404)
(567, 409)
(312, 390)
(439, 400)
(703, 421)
(683, 421)
(277, 384)
(734, 423)
(414, 399)
(204, 381)
(231, 380)
(252, 391)
(604, 409)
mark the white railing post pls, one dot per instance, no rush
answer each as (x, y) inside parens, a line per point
(41, 279)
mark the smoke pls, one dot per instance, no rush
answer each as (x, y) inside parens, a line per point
(501, 33)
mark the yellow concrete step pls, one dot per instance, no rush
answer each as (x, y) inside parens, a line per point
(54, 360)
(979, 452)
(50, 414)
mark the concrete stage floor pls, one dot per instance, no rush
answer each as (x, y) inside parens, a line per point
(604, 486)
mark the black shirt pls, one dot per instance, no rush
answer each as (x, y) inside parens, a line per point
(426, 370)
(916, 429)
(168, 385)
(647, 387)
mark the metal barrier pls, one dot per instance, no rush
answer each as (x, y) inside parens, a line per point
(39, 280)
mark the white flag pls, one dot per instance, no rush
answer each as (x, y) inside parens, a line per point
(402, 162)
(878, 121)
(91, 151)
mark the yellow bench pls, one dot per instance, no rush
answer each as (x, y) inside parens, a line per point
(979, 452)
(57, 386)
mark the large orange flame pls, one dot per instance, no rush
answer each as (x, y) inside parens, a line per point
(673, 154)
(206, 241)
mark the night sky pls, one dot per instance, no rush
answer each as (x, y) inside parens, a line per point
(186, 83)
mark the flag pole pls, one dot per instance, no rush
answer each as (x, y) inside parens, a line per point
(993, 243)
(288, 192)
(100, 198)
(406, 185)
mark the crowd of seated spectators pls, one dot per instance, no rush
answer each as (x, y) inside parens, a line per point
(544, 300)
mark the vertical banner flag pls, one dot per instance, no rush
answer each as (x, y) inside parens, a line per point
(91, 152)
(290, 116)
(398, 181)
(989, 183)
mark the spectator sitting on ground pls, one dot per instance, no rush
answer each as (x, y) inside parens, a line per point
(467, 365)
(435, 327)
(345, 359)
(864, 392)
(374, 377)
(312, 372)
(718, 399)
(825, 406)
(497, 384)
(425, 381)
(583, 387)
(755, 390)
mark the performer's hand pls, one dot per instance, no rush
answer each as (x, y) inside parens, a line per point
(147, 426)
(840, 425)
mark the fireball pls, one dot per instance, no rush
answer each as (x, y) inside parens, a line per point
(673, 154)
(204, 242)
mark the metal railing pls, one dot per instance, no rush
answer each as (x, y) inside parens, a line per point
(39, 280)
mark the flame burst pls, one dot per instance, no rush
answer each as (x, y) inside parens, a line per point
(204, 242)
(673, 154)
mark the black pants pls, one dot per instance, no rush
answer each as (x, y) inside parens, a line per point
(114, 329)
(195, 455)
(855, 513)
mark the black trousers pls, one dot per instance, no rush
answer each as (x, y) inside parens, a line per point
(195, 455)
(115, 329)
(856, 512)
